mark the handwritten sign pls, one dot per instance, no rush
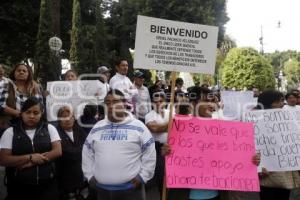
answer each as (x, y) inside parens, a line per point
(75, 94)
(237, 102)
(211, 154)
(277, 137)
(175, 46)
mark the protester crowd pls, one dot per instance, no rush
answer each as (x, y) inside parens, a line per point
(121, 153)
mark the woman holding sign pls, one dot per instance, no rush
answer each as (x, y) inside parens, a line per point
(275, 185)
(197, 96)
(203, 105)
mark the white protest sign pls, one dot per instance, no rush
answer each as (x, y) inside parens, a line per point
(75, 94)
(175, 46)
(237, 102)
(277, 137)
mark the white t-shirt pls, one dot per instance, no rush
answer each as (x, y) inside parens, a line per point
(153, 116)
(7, 137)
(291, 107)
(70, 134)
(123, 83)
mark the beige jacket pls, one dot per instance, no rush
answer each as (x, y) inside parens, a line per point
(286, 180)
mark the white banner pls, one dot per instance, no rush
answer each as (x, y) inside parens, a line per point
(175, 46)
(277, 137)
(75, 94)
(237, 102)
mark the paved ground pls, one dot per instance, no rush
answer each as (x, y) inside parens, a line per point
(152, 193)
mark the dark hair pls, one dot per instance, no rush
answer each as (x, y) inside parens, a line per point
(70, 70)
(90, 110)
(179, 81)
(266, 98)
(31, 101)
(196, 93)
(184, 106)
(30, 74)
(118, 62)
(290, 94)
(116, 92)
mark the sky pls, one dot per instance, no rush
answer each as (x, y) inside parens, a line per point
(248, 16)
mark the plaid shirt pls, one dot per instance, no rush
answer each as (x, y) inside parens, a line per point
(3, 83)
(20, 98)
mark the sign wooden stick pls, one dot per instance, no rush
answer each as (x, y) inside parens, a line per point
(173, 75)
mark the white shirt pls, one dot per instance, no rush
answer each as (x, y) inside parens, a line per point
(291, 107)
(102, 89)
(70, 134)
(142, 102)
(122, 83)
(115, 153)
(153, 116)
(3, 82)
(7, 137)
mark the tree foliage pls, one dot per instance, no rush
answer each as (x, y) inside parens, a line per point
(246, 68)
(19, 22)
(292, 73)
(277, 59)
(106, 28)
(75, 36)
(47, 64)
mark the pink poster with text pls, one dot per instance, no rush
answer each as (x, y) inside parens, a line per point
(211, 154)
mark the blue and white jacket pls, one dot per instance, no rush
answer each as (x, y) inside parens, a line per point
(116, 153)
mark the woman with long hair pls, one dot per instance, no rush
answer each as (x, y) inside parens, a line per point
(20, 87)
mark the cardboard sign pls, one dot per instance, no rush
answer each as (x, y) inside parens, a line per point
(175, 46)
(237, 102)
(75, 94)
(211, 154)
(277, 137)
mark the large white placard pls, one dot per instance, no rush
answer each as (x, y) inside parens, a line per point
(75, 94)
(237, 102)
(175, 46)
(277, 137)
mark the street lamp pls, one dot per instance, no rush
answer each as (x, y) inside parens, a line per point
(55, 45)
(261, 38)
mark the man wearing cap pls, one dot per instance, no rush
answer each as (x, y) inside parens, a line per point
(121, 82)
(104, 75)
(141, 101)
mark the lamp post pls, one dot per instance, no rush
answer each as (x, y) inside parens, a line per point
(261, 38)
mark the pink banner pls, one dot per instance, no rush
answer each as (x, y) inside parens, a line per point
(211, 154)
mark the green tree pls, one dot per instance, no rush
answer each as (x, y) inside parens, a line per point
(19, 22)
(76, 42)
(246, 68)
(47, 64)
(277, 59)
(226, 45)
(292, 73)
